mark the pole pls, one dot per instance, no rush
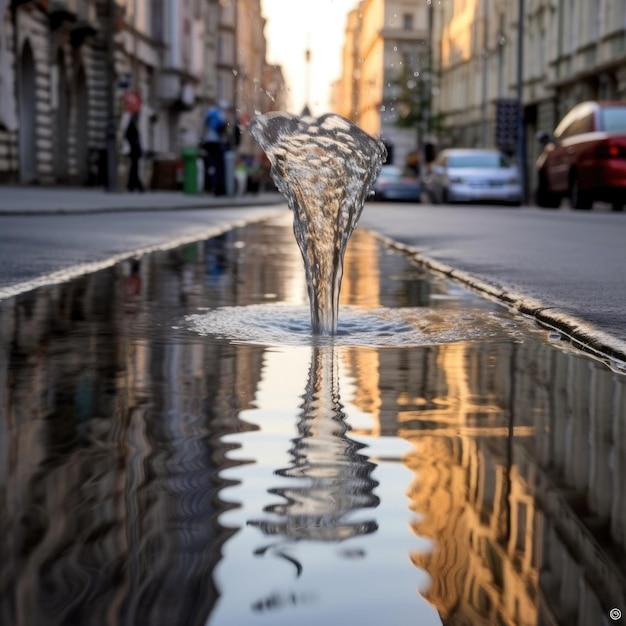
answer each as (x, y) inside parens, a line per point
(485, 68)
(429, 60)
(236, 83)
(521, 135)
(307, 59)
(111, 126)
(16, 89)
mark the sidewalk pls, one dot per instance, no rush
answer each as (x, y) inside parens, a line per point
(82, 200)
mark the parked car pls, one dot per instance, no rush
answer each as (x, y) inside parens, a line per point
(393, 184)
(585, 158)
(471, 175)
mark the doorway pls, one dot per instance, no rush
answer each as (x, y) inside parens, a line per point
(28, 116)
(82, 127)
(61, 121)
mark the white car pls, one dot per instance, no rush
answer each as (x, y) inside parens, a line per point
(470, 175)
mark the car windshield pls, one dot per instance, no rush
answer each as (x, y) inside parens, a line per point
(613, 119)
(478, 160)
(389, 171)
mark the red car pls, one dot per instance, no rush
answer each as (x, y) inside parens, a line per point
(585, 159)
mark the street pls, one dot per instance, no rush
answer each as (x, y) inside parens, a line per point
(402, 403)
(570, 260)
(34, 246)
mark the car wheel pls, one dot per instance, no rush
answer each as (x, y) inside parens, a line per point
(445, 199)
(579, 198)
(544, 197)
(617, 205)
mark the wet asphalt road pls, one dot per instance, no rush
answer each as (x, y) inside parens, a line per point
(34, 245)
(571, 260)
(568, 259)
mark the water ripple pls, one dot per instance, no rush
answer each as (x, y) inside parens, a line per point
(278, 324)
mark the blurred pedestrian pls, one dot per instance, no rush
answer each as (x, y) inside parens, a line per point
(133, 137)
(241, 175)
(213, 144)
(412, 164)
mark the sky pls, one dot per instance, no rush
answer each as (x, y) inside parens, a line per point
(292, 25)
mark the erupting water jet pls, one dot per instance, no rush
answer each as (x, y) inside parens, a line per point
(325, 167)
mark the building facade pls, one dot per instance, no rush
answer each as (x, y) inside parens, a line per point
(385, 51)
(52, 65)
(73, 70)
(574, 50)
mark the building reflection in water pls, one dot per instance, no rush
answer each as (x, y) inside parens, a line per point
(329, 480)
(111, 439)
(519, 454)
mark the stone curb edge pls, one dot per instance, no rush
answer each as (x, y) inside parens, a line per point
(582, 334)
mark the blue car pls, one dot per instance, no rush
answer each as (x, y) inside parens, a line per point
(393, 184)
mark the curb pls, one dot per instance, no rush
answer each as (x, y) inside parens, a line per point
(141, 209)
(579, 332)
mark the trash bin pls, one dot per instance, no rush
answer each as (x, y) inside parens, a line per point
(190, 170)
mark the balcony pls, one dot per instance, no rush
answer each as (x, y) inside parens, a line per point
(78, 15)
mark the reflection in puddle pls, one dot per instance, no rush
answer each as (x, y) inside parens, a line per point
(330, 479)
(152, 476)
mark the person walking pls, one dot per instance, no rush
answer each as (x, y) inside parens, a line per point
(133, 137)
(213, 144)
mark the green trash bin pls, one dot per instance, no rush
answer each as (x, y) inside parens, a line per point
(190, 170)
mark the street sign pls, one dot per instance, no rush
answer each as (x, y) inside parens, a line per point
(507, 111)
(132, 102)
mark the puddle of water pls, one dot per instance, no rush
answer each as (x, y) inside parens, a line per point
(150, 475)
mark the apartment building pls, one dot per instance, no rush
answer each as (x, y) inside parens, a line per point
(72, 71)
(574, 50)
(384, 56)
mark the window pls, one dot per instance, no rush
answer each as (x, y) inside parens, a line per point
(407, 21)
(563, 127)
(478, 159)
(613, 119)
(584, 124)
(579, 120)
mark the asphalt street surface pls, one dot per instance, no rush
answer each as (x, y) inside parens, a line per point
(575, 261)
(34, 245)
(571, 260)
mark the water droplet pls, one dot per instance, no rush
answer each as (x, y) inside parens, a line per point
(383, 108)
